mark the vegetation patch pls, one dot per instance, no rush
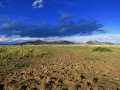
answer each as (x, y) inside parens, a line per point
(14, 64)
(20, 52)
(94, 58)
(102, 49)
(3, 49)
(21, 64)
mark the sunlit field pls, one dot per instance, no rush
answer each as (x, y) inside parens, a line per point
(60, 67)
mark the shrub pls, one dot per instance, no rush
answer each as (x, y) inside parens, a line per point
(102, 49)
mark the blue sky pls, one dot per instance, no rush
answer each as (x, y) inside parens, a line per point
(60, 19)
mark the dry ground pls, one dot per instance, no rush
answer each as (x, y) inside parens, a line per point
(60, 67)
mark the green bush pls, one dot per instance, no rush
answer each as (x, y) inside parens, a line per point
(102, 49)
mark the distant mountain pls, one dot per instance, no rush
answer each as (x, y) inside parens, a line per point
(97, 42)
(37, 42)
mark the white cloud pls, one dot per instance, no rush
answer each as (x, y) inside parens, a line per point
(16, 38)
(3, 39)
(114, 38)
(38, 4)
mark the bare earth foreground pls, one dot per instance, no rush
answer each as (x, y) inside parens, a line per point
(59, 67)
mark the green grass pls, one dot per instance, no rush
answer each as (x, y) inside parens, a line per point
(17, 52)
(3, 49)
(11, 64)
(18, 56)
(102, 49)
(20, 64)
(93, 58)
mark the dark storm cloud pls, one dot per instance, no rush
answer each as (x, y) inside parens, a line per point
(63, 28)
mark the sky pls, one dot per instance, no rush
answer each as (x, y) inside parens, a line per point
(73, 20)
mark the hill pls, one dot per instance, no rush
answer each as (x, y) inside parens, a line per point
(97, 42)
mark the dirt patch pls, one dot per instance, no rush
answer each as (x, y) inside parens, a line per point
(58, 76)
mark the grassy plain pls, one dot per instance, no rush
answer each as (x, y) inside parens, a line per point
(61, 67)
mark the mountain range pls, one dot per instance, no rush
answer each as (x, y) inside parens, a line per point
(37, 42)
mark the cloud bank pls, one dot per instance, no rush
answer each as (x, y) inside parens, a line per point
(63, 28)
(114, 38)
